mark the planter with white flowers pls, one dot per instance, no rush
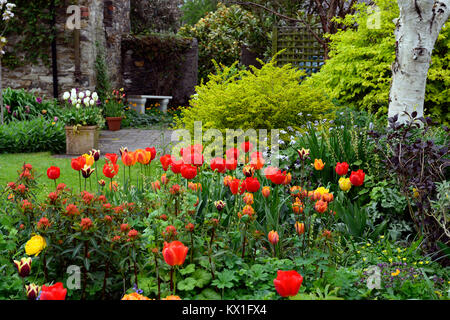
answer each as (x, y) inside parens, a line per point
(83, 118)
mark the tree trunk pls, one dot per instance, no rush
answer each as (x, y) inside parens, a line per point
(1, 96)
(416, 32)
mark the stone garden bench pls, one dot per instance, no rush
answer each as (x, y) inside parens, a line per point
(140, 101)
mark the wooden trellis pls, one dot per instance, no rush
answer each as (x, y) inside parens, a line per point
(302, 49)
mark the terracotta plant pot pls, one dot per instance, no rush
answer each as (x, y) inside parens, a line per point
(114, 123)
(81, 140)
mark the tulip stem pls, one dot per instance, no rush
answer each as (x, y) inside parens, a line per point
(245, 240)
(44, 262)
(79, 179)
(209, 253)
(104, 279)
(96, 176)
(171, 279)
(192, 247)
(157, 277)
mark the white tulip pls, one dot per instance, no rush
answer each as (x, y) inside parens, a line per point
(95, 96)
(92, 102)
(66, 95)
(81, 95)
(78, 106)
(88, 93)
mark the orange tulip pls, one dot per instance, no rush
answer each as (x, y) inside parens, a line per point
(318, 164)
(143, 157)
(174, 253)
(273, 237)
(300, 228)
(328, 197)
(265, 192)
(321, 206)
(129, 158)
(298, 206)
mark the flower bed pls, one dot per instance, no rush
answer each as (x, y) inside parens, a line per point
(148, 226)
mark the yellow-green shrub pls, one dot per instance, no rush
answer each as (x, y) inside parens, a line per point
(359, 71)
(266, 98)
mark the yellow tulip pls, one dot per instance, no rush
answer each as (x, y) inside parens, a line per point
(35, 245)
(345, 184)
(89, 159)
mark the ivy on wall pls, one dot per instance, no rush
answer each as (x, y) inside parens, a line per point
(32, 25)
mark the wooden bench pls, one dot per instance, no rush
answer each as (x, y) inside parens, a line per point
(137, 102)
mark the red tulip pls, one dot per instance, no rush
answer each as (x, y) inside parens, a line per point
(278, 177)
(231, 164)
(188, 171)
(269, 172)
(194, 158)
(257, 160)
(357, 178)
(152, 151)
(53, 173)
(247, 146)
(54, 292)
(232, 153)
(218, 164)
(252, 184)
(342, 168)
(110, 169)
(236, 186)
(287, 283)
(78, 163)
(166, 160)
(112, 157)
(174, 253)
(176, 165)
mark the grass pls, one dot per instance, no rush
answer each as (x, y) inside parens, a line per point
(11, 163)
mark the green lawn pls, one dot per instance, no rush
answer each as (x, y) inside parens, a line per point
(11, 163)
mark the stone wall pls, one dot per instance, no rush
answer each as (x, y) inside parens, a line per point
(101, 21)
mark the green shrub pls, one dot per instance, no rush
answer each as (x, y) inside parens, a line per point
(268, 98)
(36, 135)
(221, 34)
(194, 10)
(22, 105)
(359, 71)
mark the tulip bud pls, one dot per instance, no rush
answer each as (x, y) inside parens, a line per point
(190, 227)
(220, 205)
(32, 291)
(300, 228)
(96, 154)
(23, 267)
(265, 192)
(102, 183)
(273, 237)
